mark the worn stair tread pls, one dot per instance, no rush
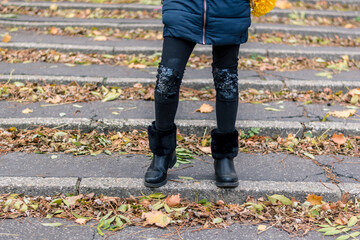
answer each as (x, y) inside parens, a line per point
(140, 109)
(88, 45)
(248, 166)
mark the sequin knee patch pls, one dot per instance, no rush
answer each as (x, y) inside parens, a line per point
(226, 83)
(168, 81)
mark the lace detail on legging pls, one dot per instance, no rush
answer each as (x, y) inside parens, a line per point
(226, 83)
(168, 81)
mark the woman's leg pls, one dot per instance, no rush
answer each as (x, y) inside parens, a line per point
(225, 65)
(162, 132)
(224, 139)
(175, 55)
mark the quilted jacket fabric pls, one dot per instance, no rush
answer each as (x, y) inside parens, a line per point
(215, 22)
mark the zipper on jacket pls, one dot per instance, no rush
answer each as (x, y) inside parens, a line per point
(204, 21)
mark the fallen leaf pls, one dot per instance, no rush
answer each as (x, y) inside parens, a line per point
(261, 228)
(173, 200)
(100, 38)
(27, 110)
(273, 109)
(6, 38)
(349, 25)
(156, 217)
(313, 199)
(51, 224)
(355, 91)
(205, 108)
(345, 197)
(283, 4)
(137, 65)
(339, 139)
(53, 7)
(72, 200)
(111, 97)
(206, 150)
(54, 100)
(54, 30)
(343, 114)
(81, 221)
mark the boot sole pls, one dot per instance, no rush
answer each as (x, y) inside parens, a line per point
(227, 184)
(155, 185)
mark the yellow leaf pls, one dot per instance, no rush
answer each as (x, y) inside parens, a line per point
(156, 217)
(27, 110)
(6, 38)
(313, 199)
(205, 108)
(343, 114)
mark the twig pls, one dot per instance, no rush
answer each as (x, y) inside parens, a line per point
(282, 160)
(325, 185)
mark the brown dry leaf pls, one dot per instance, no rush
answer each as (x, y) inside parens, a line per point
(283, 4)
(156, 217)
(173, 200)
(343, 114)
(138, 85)
(81, 221)
(72, 200)
(54, 30)
(339, 139)
(206, 150)
(6, 38)
(54, 100)
(349, 25)
(27, 110)
(325, 206)
(345, 197)
(313, 199)
(355, 91)
(205, 108)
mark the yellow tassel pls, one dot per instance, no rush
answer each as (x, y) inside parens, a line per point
(261, 7)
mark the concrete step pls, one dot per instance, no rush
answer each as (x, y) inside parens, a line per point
(291, 117)
(149, 24)
(123, 76)
(139, 7)
(124, 46)
(119, 175)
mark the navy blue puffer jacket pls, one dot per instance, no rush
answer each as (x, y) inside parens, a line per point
(215, 22)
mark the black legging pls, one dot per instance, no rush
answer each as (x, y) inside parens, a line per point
(175, 55)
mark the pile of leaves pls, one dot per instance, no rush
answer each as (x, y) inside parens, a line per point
(140, 61)
(141, 34)
(114, 213)
(98, 13)
(73, 93)
(48, 140)
(300, 18)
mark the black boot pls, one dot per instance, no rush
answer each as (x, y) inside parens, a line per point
(224, 147)
(162, 145)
